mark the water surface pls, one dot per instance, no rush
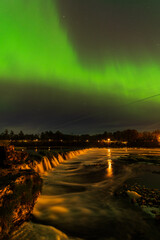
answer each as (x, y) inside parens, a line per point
(78, 199)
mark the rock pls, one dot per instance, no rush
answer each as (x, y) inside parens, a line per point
(133, 195)
(143, 202)
(150, 203)
(19, 191)
(148, 199)
(10, 157)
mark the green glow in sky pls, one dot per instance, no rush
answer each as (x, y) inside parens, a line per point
(34, 47)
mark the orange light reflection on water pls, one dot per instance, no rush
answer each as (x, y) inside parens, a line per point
(109, 153)
(109, 168)
(109, 162)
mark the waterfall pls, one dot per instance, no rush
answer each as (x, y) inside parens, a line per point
(47, 164)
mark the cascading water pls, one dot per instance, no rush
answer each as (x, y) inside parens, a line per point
(47, 164)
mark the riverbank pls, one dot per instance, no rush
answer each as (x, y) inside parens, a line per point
(147, 199)
(19, 190)
(143, 190)
(20, 183)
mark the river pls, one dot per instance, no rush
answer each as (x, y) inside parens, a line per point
(78, 199)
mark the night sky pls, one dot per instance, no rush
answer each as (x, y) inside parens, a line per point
(79, 66)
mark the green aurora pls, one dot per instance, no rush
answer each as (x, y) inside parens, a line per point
(35, 47)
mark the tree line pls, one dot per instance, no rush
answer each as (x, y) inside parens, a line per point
(129, 135)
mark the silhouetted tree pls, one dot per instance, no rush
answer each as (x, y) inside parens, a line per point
(21, 135)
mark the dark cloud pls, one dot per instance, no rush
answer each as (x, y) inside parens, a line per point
(39, 107)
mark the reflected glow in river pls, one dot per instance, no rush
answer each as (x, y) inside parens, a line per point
(109, 162)
(78, 201)
(109, 168)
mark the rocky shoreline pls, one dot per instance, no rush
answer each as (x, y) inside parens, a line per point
(19, 190)
(147, 199)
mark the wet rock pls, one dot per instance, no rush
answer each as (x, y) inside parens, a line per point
(133, 195)
(10, 158)
(19, 191)
(147, 199)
